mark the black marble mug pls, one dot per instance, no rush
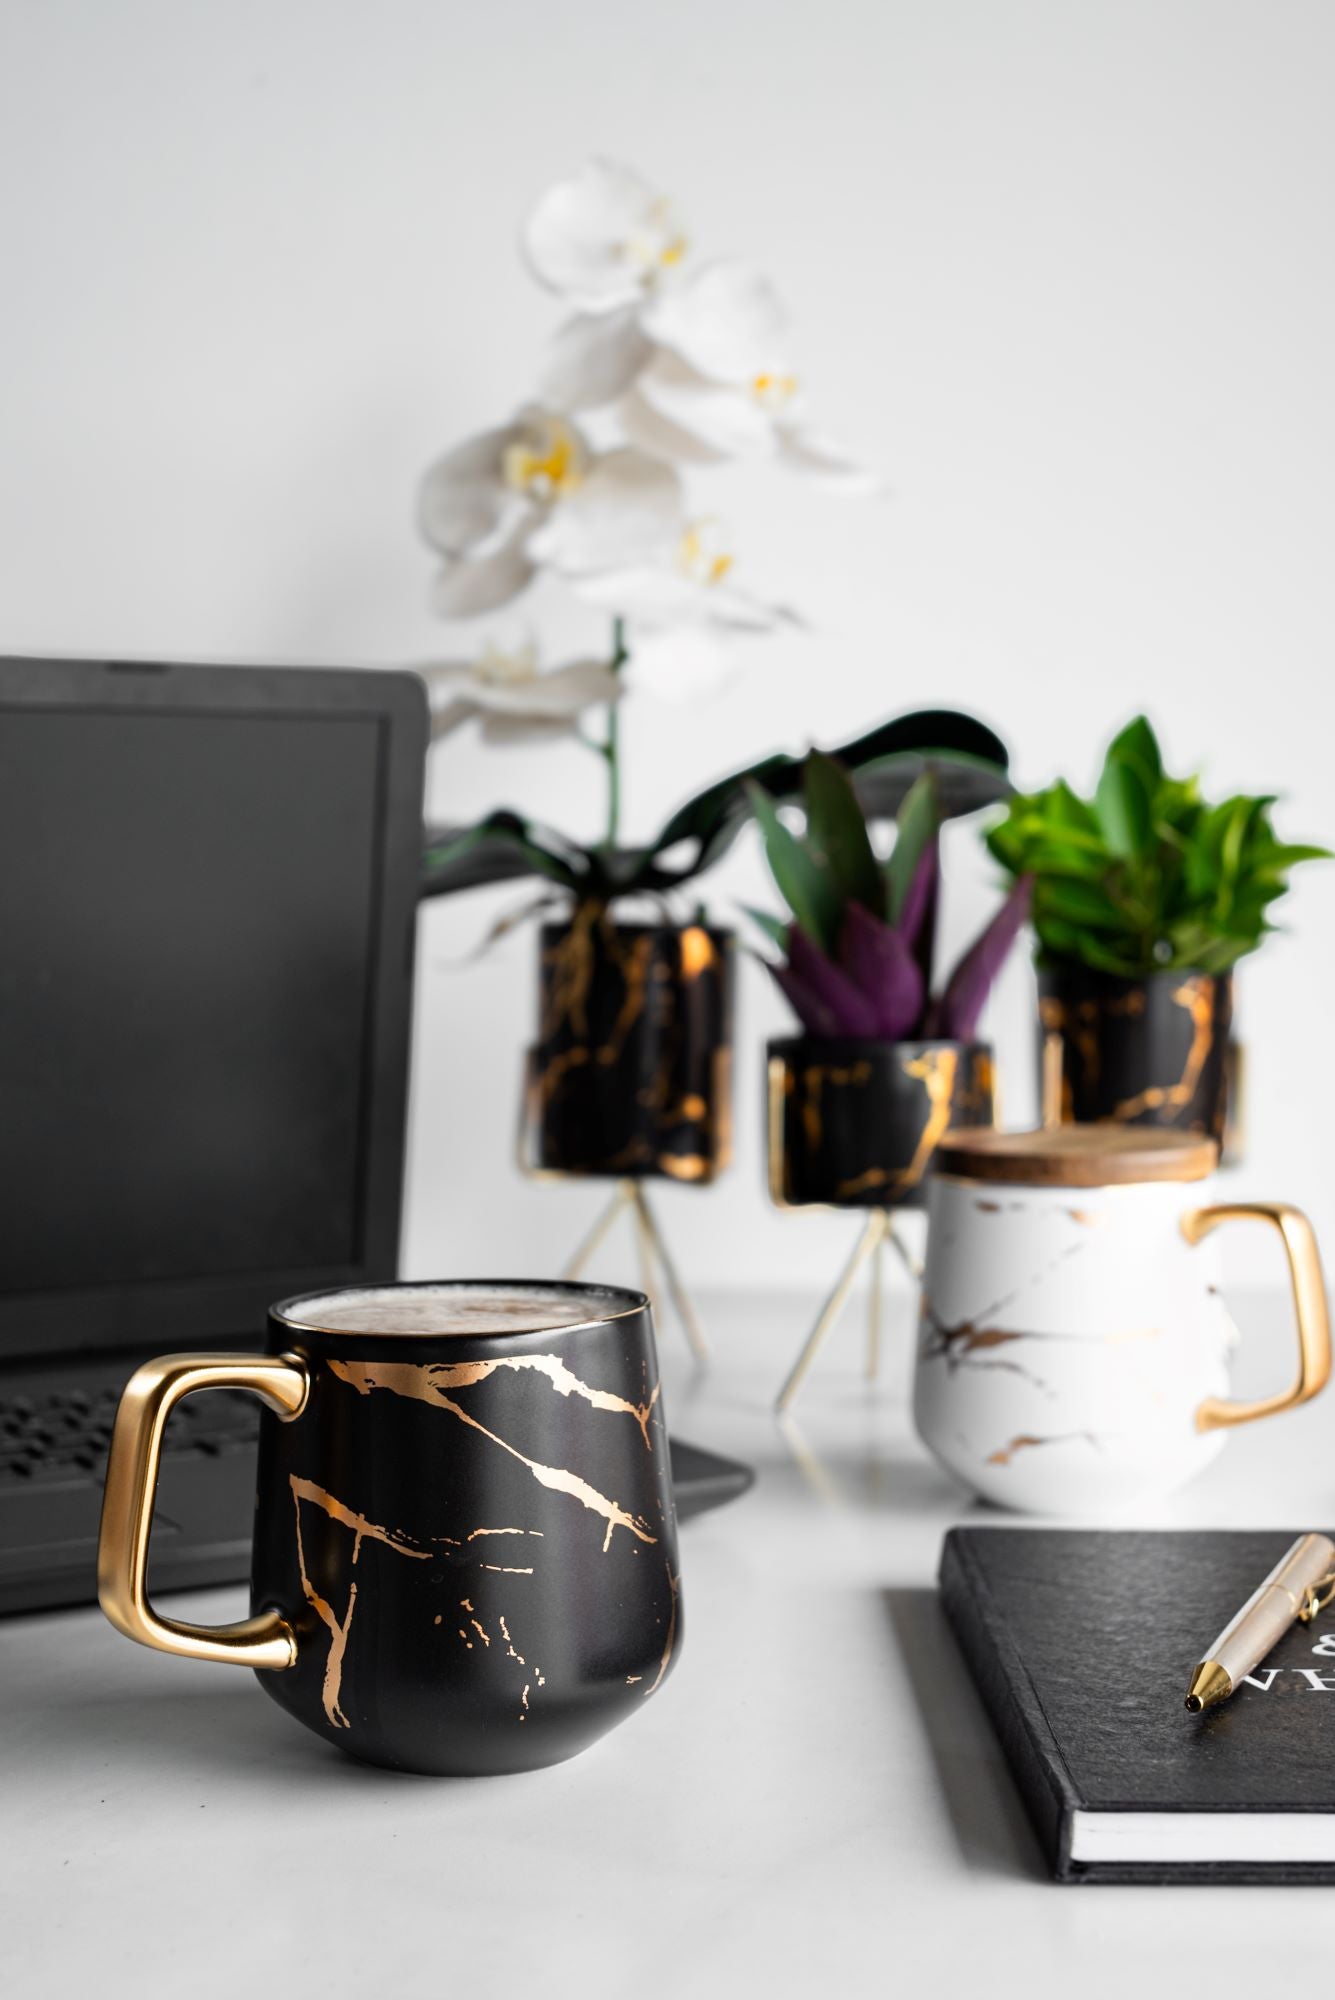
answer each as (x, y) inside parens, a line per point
(465, 1555)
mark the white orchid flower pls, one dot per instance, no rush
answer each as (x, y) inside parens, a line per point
(593, 359)
(727, 322)
(696, 361)
(694, 583)
(602, 239)
(720, 377)
(720, 380)
(534, 491)
(719, 330)
(514, 699)
(626, 509)
(684, 616)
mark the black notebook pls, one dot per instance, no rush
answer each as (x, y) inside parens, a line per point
(1082, 1645)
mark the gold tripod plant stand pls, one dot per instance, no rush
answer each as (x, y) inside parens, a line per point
(938, 1071)
(878, 1230)
(630, 1194)
(652, 1247)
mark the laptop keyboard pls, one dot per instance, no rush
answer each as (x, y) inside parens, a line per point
(64, 1435)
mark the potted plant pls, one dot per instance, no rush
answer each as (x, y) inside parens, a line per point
(665, 366)
(885, 1064)
(630, 1072)
(1144, 899)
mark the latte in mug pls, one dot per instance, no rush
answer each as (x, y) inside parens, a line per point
(454, 1310)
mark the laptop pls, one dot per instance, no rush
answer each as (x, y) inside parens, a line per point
(208, 882)
(207, 900)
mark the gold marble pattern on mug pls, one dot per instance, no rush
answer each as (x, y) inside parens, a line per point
(430, 1383)
(339, 1628)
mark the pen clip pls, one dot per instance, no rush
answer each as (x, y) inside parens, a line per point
(1314, 1602)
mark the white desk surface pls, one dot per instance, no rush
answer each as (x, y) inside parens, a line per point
(814, 1805)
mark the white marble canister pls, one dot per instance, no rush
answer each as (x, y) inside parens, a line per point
(1073, 1347)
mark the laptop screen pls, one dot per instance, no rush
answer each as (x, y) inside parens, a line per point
(189, 905)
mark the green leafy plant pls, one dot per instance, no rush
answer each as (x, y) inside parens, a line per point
(1147, 876)
(968, 760)
(857, 955)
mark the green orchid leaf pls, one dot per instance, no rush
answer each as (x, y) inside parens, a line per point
(621, 871)
(969, 758)
(964, 784)
(837, 830)
(501, 848)
(802, 881)
(505, 847)
(706, 826)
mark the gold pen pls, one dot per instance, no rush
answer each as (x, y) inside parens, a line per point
(1291, 1591)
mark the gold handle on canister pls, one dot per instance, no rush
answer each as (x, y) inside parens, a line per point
(1309, 1304)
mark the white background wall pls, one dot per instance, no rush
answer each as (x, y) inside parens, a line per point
(1064, 271)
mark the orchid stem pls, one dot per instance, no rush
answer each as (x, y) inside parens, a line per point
(611, 748)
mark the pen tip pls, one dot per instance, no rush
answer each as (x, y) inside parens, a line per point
(1210, 1683)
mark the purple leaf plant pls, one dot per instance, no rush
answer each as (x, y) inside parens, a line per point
(857, 950)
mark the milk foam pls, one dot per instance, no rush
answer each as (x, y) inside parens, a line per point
(458, 1309)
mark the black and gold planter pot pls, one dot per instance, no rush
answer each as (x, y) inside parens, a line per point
(465, 1555)
(854, 1124)
(631, 1074)
(1149, 1051)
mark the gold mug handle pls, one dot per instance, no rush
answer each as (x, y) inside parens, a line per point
(149, 1398)
(1309, 1304)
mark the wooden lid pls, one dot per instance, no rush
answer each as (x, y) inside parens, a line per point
(1077, 1156)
